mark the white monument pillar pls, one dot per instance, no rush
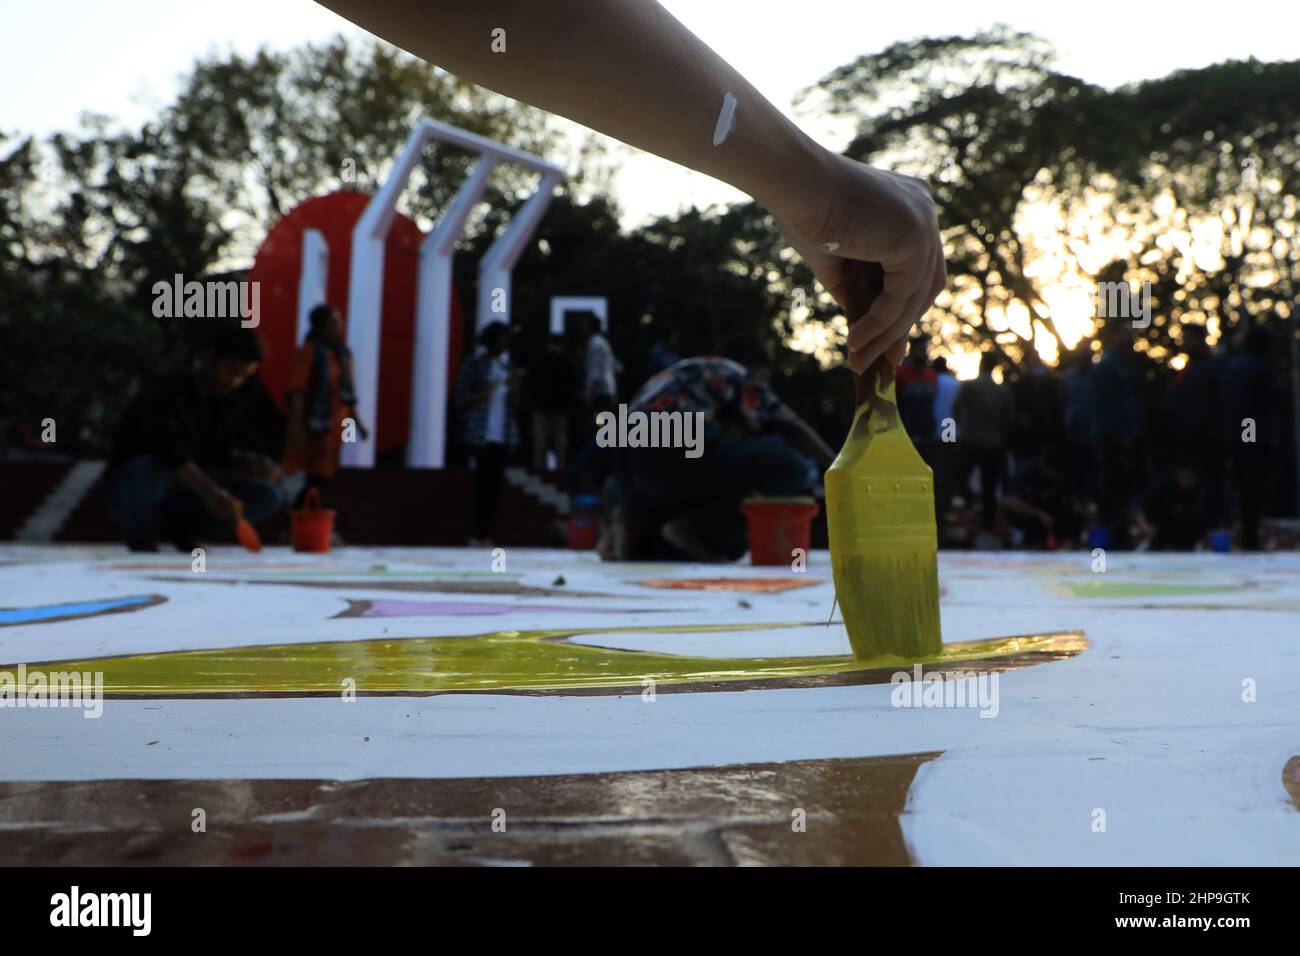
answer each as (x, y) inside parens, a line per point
(433, 295)
(313, 281)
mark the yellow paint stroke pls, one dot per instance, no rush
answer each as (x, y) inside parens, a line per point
(1129, 589)
(504, 660)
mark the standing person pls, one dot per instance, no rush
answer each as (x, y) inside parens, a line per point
(916, 386)
(944, 442)
(551, 392)
(184, 463)
(485, 396)
(320, 399)
(946, 387)
(1251, 399)
(1078, 410)
(1193, 413)
(1037, 397)
(985, 413)
(1118, 426)
(632, 71)
(600, 385)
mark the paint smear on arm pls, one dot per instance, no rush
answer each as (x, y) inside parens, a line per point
(726, 120)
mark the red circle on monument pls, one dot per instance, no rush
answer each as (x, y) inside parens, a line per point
(278, 267)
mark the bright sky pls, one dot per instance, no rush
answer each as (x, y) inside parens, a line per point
(122, 57)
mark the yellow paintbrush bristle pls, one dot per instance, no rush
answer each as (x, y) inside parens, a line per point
(884, 545)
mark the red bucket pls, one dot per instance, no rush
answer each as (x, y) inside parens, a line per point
(777, 526)
(583, 530)
(310, 529)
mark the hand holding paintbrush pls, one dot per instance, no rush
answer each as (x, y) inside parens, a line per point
(880, 513)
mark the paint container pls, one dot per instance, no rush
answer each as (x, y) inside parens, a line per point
(777, 526)
(1221, 541)
(310, 529)
(583, 525)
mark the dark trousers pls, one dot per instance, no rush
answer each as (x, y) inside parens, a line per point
(992, 465)
(489, 475)
(943, 462)
(145, 498)
(663, 484)
(1250, 466)
(1117, 466)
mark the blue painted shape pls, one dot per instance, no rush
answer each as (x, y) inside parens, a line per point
(45, 612)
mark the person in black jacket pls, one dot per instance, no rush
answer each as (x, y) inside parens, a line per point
(182, 465)
(552, 388)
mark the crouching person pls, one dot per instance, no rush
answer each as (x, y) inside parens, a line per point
(181, 467)
(748, 442)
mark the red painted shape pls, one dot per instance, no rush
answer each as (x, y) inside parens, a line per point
(278, 267)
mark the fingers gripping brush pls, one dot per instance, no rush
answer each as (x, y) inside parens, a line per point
(880, 515)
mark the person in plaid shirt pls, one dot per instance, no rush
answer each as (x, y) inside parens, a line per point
(753, 443)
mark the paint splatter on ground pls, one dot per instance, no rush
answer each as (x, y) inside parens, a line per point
(741, 585)
(387, 608)
(1151, 719)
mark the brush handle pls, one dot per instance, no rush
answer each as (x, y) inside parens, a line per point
(863, 282)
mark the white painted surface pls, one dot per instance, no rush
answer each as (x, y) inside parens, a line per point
(1148, 724)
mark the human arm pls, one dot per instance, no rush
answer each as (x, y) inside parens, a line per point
(218, 502)
(804, 437)
(632, 71)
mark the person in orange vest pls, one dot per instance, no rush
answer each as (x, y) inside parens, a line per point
(321, 400)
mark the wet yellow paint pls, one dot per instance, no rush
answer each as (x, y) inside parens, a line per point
(884, 545)
(506, 660)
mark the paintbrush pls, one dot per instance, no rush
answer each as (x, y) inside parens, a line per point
(880, 514)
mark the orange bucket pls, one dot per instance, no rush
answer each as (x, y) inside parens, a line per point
(310, 528)
(777, 526)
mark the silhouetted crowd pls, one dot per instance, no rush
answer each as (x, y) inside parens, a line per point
(1108, 450)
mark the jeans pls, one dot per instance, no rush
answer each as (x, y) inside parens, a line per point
(145, 498)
